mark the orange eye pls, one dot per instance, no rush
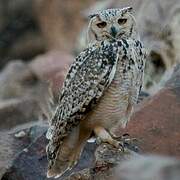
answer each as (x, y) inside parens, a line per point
(122, 21)
(101, 24)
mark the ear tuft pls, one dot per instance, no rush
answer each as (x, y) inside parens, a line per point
(92, 15)
(127, 9)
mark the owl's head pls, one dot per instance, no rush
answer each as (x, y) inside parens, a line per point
(111, 24)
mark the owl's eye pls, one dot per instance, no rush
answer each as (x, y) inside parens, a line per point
(122, 21)
(101, 24)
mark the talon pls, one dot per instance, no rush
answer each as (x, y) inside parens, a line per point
(98, 141)
(121, 146)
(126, 135)
(130, 141)
(115, 136)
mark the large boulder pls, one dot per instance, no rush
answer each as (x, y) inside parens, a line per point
(148, 168)
(18, 111)
(102, 162)
(31, 163)
(52, 67)
(22, 95)
(156, 121)
(15, 141)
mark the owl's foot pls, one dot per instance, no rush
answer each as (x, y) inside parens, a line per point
(104, 136)
(125, 138)
(129, 142)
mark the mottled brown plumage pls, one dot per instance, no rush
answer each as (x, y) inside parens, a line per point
(100, 89)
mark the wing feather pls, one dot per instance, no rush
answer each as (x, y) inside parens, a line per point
(88, 77)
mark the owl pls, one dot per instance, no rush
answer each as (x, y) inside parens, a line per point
(100, 89)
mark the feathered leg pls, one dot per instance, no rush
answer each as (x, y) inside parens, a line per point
(84, 134)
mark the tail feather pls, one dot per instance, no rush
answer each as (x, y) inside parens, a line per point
(59, 163)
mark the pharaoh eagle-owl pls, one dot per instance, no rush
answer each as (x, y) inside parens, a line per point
(100, 89)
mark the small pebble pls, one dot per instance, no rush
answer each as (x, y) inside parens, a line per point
(91, 140)
(20, 134)
(25, 150)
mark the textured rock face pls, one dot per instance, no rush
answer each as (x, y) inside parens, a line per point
(149, 167)
(21, 95)
(156, 135)
(12, 144)
(12, 78)
(31, 163)
(17, 112)
(106, 163)
(156, 122)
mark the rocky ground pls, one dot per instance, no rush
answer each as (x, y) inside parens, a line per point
(155, 124)
(45, 57)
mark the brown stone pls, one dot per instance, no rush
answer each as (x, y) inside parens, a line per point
(13, 79)
(21, 94)
(18, 111)
(52, 67)
(156, 121)
(148, 168)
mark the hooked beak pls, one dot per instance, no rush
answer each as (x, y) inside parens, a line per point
(113, 31)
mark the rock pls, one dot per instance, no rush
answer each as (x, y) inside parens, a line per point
(162, 40)
(84, 175)
(106, 160)
(149, 167)
(11, 146)
(18, 111)
(20, 36)
(20, 134)
(156, 120)
(12, 78)
(155, 124)
(22, 95)
(174, 81)
(52, 67)
(18, 81)
(31, 163)
(134, 167)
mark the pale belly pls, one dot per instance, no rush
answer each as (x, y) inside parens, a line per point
(113, 109)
